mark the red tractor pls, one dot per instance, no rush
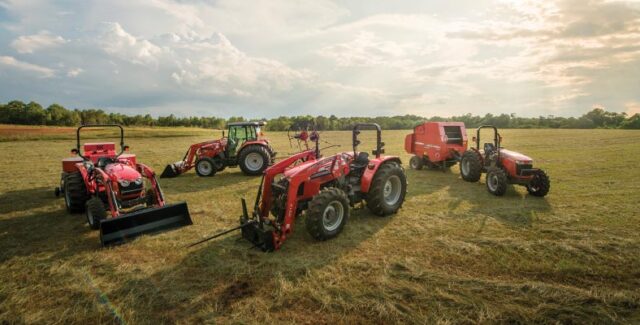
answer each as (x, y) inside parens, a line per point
(502, 166)
(120, 196)
(244, 147)
(323, 187)
(436, 144)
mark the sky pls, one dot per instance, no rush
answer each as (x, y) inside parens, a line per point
(267, 58)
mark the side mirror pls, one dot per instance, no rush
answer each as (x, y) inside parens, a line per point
(126, 148)
(74, 151)
(474, 139)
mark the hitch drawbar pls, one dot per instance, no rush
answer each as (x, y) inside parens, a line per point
(252, 230)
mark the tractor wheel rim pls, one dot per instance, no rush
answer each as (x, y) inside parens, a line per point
(205, 167)
(333, 215)
(465, 166)
(493, 182)
(414, 163)
(254, 161)
(392, 190)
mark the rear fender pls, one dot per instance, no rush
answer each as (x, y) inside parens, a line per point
(372, 169)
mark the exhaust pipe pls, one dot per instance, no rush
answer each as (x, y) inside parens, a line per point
(119, 230)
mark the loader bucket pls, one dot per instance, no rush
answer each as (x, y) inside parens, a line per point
(169, 172)
(127, 227)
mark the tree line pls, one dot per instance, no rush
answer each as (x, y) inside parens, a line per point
(32, 113)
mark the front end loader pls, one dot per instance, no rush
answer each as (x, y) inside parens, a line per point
(243, 146)
(120, 196)
(324, 189)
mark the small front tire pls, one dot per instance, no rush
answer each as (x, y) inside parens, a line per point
(540, 184)
(95, 212)
(497, 181)
(206, 167)
(327, 214)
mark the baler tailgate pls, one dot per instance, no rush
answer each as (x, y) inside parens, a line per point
(121, 229)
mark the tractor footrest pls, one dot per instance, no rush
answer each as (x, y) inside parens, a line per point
(261, 237)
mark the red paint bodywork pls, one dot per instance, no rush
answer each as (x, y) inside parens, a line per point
(107, 179)
(430, 140)
(306, 174)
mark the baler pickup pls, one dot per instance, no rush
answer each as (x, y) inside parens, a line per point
(150, 220)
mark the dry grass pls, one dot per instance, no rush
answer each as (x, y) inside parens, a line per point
(454, 254)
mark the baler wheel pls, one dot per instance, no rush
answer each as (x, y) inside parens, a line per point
(206, 167)
(388, 189)
(471, 166)
(416, 163)
(327, 214)
(540, 184)
(75, 192)
(254, 159)
(95, 212)
(497, 181)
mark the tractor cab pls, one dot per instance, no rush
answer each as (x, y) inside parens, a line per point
(239, 133)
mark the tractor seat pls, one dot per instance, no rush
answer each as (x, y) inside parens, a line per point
(489, 148)
(104, 161)
(361, 161)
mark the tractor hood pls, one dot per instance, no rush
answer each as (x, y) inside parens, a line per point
(515, 156)
(122, 172)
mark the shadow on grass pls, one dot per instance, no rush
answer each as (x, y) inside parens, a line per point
(190, 182)
(516, 208)
(25, 199)
(215, 276)
(37, 233)
(428, 181)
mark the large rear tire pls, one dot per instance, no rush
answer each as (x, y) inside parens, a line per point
(75, 192)
(254, 159)
(387, 190)
(416, 163)
(95, 212)
(327, 214)
(540, 184)
(497, 181)
(471, 166)
(206, 167)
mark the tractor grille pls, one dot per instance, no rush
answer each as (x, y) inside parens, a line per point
(520, 168)
(133, 188)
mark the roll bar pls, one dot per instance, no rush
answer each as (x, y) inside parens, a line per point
(496, 135)
(122, 146)
(379, 144)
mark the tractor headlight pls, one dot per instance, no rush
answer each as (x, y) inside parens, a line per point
(124, 183)
(138, 181)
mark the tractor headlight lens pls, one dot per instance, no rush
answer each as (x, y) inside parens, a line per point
(138, 181)
(124, 183)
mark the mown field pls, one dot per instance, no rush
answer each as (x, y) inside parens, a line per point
(454, 253)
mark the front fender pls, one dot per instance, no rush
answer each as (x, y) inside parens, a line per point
(372, 168)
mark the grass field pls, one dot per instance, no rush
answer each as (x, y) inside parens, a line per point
(453, 254)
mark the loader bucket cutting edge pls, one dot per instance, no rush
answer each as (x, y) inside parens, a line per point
(169, 172)
(121, 229)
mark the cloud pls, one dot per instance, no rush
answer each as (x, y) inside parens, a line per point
(32, 43)
(117, 42)
(9, 62)
(274, 57)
